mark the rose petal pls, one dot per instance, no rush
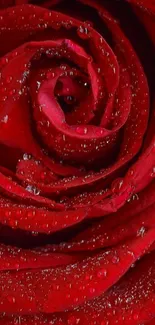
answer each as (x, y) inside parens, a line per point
(75, 283)
(12, 258)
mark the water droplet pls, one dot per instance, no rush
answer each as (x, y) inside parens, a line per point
(88, 277)
(18, 212)
(5, 119)
(50, 75)
(131, 172)
(56, 25)
(133, 198)
(102, 273)
(68, 295)
(115, 259)
(64, 137)
(99, 132)
(83, 32)
(133, 265)
(141, 232)
(153, 172)
(4, 98)
(81, 130)
(18, 321)
(4, 61)
(47, 15)
(85, 84)
(11, 299)
(13, 223)
(76, 299)
(26, 156)
(117, 185)
(67, 24)
(135, 316)
(7, 213)
(38, 85)
(32, 189)
(12, 91)
(63, 66)
(85, 130)
(69, 99)
(9, 79)
(43, 175)
(45, 226)
(92, 290)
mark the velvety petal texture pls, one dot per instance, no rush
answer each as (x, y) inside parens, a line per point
(77, 162)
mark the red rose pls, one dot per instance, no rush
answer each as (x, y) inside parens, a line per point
(77, 148)
(9, 3)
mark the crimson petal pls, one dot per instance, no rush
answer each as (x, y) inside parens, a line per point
(76, 283)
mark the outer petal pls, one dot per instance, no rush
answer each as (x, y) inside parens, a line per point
(145, 10)
(44, 291)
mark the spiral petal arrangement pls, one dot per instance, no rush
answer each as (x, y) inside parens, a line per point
(77, 162)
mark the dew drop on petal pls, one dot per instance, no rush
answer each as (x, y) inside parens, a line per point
(102, 273)
(115, 259)
(92, 290)
(135, 316)
(26, 156)
(69, 99)
(141, 231)
(83, 32)
(117, 185)
(153, 172)
(81, 130)
(5, 119)
(32, 189)
(9, 79)
(11, 299)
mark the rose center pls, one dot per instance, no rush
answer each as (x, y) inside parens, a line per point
(70, 93)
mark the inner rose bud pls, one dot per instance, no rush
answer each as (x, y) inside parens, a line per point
(60, 130)
(77, 162)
